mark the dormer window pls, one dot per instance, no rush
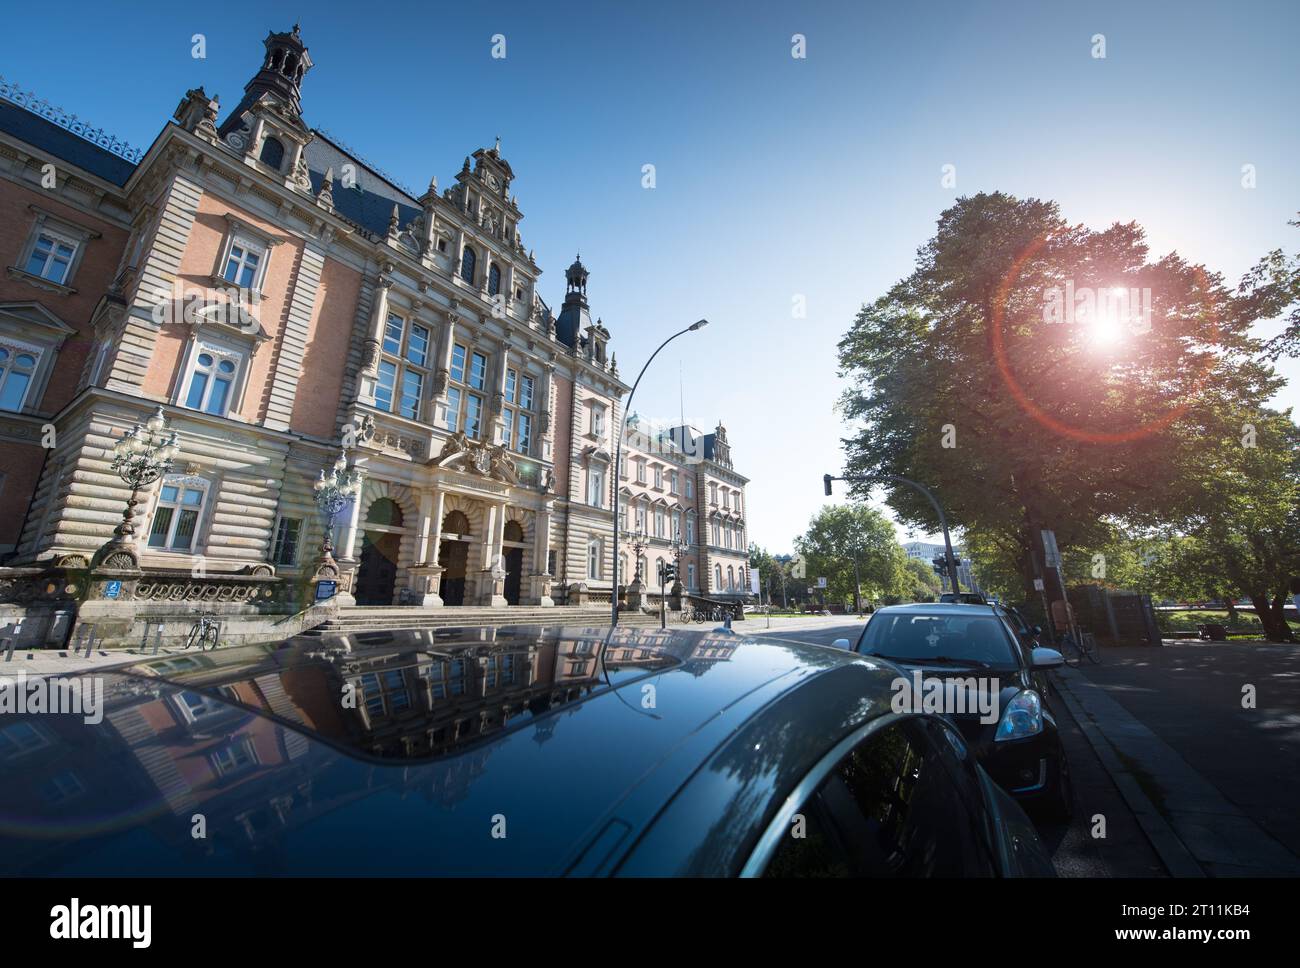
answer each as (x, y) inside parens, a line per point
(272, 153)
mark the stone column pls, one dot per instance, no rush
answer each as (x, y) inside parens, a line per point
(541, 577)
(447, 342)
(491, 590)
(426, 572)
(499, 392)
(546, 429)
(370, 352)
(346, 558)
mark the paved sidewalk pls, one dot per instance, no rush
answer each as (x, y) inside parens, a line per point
(53, 662)
(1193, 827)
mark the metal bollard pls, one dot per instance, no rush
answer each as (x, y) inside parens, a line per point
(90, 643)
(9, 649)
(157, 642)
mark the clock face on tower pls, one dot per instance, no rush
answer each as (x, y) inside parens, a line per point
(493, 181)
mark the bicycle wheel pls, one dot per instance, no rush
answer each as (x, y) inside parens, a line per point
(1069, 651)
(211, 638)
(1091, 649)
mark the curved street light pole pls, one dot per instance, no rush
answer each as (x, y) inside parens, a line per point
(943, 521)
(618, 459)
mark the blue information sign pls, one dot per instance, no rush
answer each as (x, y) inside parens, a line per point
(326, 589)
(112, 589)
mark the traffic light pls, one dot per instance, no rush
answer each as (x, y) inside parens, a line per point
(826, 482)
(670, 574)
(940, 565)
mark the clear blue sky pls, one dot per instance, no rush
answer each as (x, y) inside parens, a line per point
(776, 177)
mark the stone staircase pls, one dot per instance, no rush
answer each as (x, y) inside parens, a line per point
(369, 618)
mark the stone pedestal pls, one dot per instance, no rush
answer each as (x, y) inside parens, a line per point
(635, 595)
(347, 572)
(675, 597)
(540, 590)
(426, 582)
(494, 590)
(578, 594)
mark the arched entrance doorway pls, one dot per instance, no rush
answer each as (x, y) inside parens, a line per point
(453, 555)
(381, 542)
(512, 549)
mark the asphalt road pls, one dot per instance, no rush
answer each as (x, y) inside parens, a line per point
(1190, 694)
(1125, 850)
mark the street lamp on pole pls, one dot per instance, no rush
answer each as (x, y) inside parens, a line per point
(140, 457)
(618, 454)
(943, 521)
(332, 493)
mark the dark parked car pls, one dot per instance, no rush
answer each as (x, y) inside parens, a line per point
(522, 750)
(1021, 748)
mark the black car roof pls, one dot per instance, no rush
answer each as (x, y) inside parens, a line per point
(553, 740)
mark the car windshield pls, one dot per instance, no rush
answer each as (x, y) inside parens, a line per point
(933, 636)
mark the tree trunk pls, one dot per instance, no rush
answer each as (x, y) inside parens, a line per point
(1268, 619)
(1279, 618)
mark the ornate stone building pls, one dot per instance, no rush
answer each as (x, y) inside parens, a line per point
(280, 298)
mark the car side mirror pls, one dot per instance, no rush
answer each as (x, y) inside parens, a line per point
(841, 644)
(1046, 659)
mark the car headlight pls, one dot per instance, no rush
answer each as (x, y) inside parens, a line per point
(1022, 717)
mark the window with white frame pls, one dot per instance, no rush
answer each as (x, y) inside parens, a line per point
(517, 416)
(245, 262)
(177, 514)
(18, 362)
(288, 534)
(597, 420)
(640, 471)
(659, 478)
(596, 487)
(731, 578)
(690, 530)
(640, 518)
(464, 406)
(672, 482)
(403, 367)
(690, 576)
(717, 578)
(595, 556)
(660, 523)
(212, 380)
(713, 494)
(690, 488)
(52, 256)
(677, 526)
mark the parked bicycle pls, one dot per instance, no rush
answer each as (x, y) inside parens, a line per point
(1074, 650)
(205, 633)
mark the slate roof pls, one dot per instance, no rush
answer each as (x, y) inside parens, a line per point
(370, 202)
(61, 143)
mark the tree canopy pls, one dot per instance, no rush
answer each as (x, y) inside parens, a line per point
(1037, 374)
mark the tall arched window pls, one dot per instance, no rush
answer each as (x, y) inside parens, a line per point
(385, 511)
(272, 153)
(731, 578)
(467, 264)
(494, 279)
(514, 531)
(455, 523)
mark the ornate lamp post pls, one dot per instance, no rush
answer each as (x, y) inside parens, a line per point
(638, 540)
(333, 492)
(140, 457)
(618, 455)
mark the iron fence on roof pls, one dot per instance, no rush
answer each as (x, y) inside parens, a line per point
(29, 101)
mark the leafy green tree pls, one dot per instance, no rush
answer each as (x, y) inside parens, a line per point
(839, 535)
(967, 377)
(1272, 289)
(1246, 540)
(918, 582)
